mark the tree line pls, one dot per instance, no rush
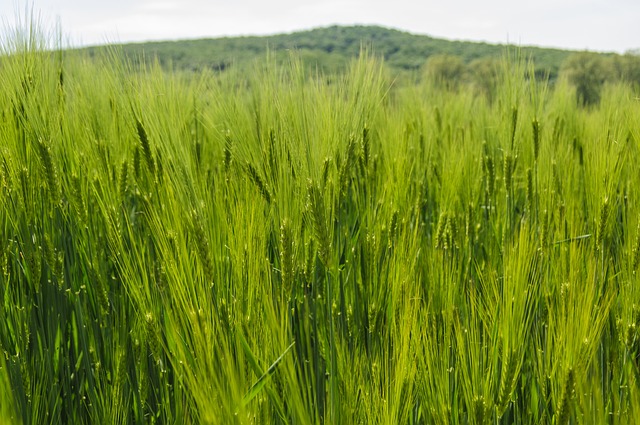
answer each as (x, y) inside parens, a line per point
(588, 72)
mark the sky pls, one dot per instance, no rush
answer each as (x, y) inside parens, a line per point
(600, 25)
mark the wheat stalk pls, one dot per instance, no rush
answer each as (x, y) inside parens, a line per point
(254, 176)
(50, 173)
(535, 124)
(146, 147)
(602, 223)
(562, 411)
(317, 213)
(286, 256)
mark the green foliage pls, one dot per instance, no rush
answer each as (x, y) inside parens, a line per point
(446, 70)
(626, 68)
(286, 246)
(483, 75)
(587, 72)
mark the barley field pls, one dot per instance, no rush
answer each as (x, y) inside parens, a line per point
(287, 247)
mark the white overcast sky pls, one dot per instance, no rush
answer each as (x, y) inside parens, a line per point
(603, 25)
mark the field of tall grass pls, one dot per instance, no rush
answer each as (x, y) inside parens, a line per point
(286, 247)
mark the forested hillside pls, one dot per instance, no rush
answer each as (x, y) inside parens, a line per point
(331, 48)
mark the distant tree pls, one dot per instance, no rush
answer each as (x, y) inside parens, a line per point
(445, 69)
(587, 72)
(483, 75)
(626, 68)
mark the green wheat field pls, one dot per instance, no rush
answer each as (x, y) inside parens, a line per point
(287, 247)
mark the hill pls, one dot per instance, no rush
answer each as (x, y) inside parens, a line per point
(330, 49)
